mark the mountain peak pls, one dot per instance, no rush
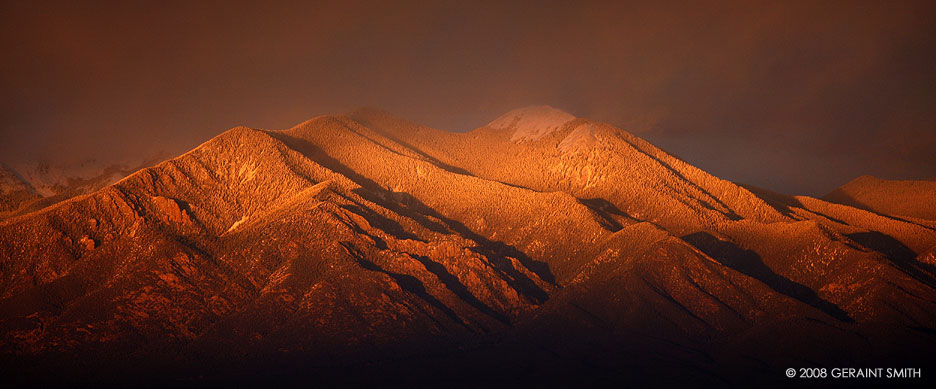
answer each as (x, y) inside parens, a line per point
(532, 123)
(381, 119)
(351, 242)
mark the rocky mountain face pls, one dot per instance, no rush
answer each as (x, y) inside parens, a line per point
(539, 248)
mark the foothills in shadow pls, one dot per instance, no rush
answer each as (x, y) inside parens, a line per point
(750, 264)
(898, 254)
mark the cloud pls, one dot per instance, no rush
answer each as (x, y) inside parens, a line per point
(795, 96)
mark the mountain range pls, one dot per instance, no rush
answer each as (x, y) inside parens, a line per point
(28, 187)
(541, 247)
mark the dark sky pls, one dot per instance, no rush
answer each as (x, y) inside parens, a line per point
(799, 97)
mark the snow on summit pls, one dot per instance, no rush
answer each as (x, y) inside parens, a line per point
(532, 123)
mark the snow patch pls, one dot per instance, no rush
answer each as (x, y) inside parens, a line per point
(247, 172)
(10, 182)
(532, 123)
(582, 138)
(237, 223)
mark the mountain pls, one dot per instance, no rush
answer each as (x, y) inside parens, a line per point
(540, 248)
(27, 187)
(908, 198)
(14, 190)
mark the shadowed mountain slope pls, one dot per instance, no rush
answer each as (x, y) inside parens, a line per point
(367, 240)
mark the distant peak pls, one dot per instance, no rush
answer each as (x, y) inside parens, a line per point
(532, 123)
(867, 177)
(540, 110)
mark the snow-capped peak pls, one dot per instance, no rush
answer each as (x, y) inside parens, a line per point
(532, 123)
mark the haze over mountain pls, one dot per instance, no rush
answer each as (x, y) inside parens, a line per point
(28, 187)
(793, 96)
(541, 247)
(911, 198)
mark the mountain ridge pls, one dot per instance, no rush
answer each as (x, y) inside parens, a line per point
(28, 187)
(903, 198)
(358, 237)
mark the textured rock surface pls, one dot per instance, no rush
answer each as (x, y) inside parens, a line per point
(366, 240)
